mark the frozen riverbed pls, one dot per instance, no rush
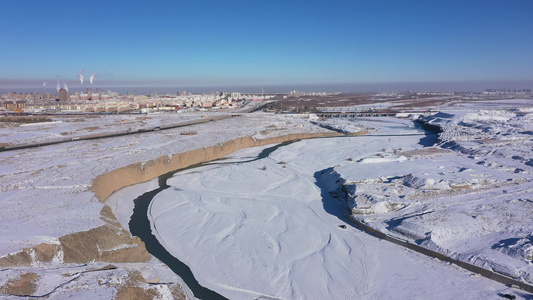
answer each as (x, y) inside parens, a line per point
(266, 229)
(48, 202)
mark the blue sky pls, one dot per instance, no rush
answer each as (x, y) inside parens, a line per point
(195, 42)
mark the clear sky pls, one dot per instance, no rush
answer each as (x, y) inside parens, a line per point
(260, 42)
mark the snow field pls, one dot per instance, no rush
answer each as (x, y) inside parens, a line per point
(473, 204)
(261, 229)
(45, 192)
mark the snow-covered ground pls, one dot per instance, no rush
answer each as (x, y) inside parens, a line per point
(45, 195)
(470, 198)
(64, 127)
(269, 228)
(67, 127)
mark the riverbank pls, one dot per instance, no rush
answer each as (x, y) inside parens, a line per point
(53, 224)
(251, 234)
(468, 200)
(47, 196)
(104, 185)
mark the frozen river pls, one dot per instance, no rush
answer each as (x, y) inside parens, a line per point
(251, 228)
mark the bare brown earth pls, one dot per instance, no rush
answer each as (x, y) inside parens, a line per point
(23, 286)
(107, 243)
(24, 119)
(426, 152)
(310, 103)
(131, 289)
(313, 103)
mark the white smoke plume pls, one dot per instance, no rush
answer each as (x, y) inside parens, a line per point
(44, 84)
(58, 84)
(92, 77)
(80, 76)
(65, 86)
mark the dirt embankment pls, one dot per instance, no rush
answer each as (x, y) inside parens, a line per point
(110, 242)
(106, 243)
(105, 185)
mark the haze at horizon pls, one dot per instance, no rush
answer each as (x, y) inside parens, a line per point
(276, 43)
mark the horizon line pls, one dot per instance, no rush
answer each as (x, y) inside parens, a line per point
(37, 85)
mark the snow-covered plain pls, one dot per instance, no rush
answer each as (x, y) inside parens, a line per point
(45, 195)
(270, 228)
(65, 127)
(300, 252)
(470, 198)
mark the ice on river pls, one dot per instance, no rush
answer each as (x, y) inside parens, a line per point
(260, 229)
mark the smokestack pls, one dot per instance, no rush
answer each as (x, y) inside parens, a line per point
(80, 76)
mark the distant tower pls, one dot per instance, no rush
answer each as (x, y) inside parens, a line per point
(62, 95)
(100, 94)
(89, 93)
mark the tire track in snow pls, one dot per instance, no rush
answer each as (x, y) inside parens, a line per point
(363, 282)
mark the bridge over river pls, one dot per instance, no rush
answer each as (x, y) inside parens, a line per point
(371, 113)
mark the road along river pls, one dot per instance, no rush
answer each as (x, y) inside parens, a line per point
(261, 228)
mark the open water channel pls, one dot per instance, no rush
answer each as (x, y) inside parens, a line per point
(140, 224)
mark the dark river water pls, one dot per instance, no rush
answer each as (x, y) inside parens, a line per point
(140, 224)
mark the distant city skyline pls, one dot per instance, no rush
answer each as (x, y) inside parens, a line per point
(146, 88)
(200, 45)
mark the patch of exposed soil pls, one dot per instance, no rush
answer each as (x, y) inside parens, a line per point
(136, 287)
(24, 286)
(25, 119)
(107, 243)
(426, 153)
